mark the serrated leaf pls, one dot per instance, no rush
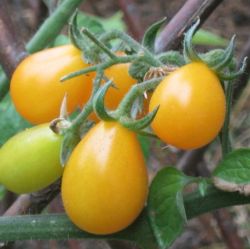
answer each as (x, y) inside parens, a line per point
(10, 121)
(233, 172)
(166, 207)
(148, 40)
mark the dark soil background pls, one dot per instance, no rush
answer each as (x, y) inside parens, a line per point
(218, 230)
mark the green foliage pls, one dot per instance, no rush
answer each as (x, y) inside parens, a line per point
(61, 40)
(235, 167)
(204, 37)
(10, 121)
(98, 25)
(149, 37)
(166, 207)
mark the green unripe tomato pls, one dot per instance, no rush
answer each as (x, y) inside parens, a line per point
(29, 161)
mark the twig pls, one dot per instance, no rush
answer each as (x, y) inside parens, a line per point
(35, 202)
(172, 34)
(11, 47)
(132, 18)
(188, 162)
(243, 79)
(52, 26)
(228, 229)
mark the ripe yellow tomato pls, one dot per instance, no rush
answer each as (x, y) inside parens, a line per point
(30, 160)
(36, 89)
(105, 184)
(192, 107)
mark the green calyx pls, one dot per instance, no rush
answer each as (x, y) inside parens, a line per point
(146, 67)
(220, 61)
(138, 124)
(98, 102)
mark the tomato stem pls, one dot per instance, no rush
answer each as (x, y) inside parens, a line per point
(52, 26)
(100, 44)
(58, 226)
(101, 66)
(135, 91)
(98, 103)
(225, 136)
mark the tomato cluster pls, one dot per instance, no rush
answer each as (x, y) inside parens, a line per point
(105, 183)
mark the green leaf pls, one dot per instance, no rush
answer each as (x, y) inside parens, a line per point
(235, 167)
(98, 25)
(61, 40)
(233, 172)
(90, 22)
(148, 40)
(114, 22)
(10, 121)
(166, 207)
(204, 37)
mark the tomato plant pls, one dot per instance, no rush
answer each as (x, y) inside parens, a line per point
(104, 186)
(36, 89)
(30, 160)
(192, 106)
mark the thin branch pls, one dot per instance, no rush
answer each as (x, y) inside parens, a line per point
(188, 162)
(228, 229)
(11, 47)
(243, 79)
(34, 203)
(132, 18)
(172, 34)
(52, 26)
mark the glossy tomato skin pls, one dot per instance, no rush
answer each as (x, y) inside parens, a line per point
(36, 89)
(29, 161)
(104, 185)
(192, 107)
